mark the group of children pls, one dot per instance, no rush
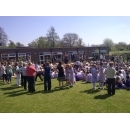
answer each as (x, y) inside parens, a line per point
(89, 72)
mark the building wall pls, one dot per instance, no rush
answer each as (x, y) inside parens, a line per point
(35, 51)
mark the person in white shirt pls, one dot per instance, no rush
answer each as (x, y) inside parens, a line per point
(38, 71)
(18, 75)
(3, 72)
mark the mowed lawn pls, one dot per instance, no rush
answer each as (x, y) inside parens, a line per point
(79, 99)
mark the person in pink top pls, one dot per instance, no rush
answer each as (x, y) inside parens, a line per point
(31, 72)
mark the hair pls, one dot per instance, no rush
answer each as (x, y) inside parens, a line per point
(111, 64)
(47, 63)
(60, 63)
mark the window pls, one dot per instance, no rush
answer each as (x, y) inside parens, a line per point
(12, 55)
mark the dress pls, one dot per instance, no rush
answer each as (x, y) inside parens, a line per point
(61, 75)
(101, 74)
(72, 75)
(67, 73)
(94, 74)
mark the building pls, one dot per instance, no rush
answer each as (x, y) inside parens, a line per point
(43, 54)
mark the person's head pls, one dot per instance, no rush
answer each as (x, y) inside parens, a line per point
(118, 79)
(29, 63)
(9, 63)
(60, 63)
(24, 63)
(47, 63)
(101, 64)
(127, 77)
(111, 64)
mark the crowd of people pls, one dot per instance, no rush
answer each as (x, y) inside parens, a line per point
(100, 73)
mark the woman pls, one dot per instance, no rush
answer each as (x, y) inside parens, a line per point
(61, 74)
(3, 72)
(31, 72)
(101, 76)
(18, 74)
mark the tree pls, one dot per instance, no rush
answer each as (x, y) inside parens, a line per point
(70, 39)
(52, 37)
(40, 42)
(80, 43)
(109, 43)
(19, 44)
(3, 37)
(11, 44)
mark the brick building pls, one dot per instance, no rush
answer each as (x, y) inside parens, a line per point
(42, 54)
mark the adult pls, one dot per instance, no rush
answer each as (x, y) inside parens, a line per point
(31, 71)
(23, 69)
(110, 75)
(47, 77)
(3, 72)
(18, 74)
(61, 74)
(9, 72)
(101, 75)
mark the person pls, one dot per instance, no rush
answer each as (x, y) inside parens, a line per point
(3, 72)
(61, 74)
(18, 74)
(71, 76)
(9, 72)
(21, 74)
(23, 69)
(31, 71)
(94, 73)
(110, 75)
(38, 73)
(47, 77)
(101, 75)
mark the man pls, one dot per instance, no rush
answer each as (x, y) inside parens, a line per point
(47, 77)
(110, 75)
(31, 71)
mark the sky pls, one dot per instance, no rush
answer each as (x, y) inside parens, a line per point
(92, 29)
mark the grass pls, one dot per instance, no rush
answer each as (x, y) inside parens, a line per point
(79, 99)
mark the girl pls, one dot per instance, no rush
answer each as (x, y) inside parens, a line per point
(94, 76)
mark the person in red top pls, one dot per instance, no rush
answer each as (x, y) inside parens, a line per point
(31, 71)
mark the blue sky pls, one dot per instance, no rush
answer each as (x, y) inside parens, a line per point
(92, 29)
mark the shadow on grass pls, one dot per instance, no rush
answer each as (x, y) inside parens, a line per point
(102, 97)
(17, 94)
(9, 88)
(13, 92)
(39, 83)
(90, 91)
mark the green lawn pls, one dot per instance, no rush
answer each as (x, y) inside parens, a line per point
(79, 99)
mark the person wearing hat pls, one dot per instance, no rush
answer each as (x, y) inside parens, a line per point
(31, 72)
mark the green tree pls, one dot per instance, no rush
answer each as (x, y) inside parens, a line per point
(40, 42)
(109, 43)
(52, 37)
(3, 37)
(70, 39)
(19, 44)
(11, 44)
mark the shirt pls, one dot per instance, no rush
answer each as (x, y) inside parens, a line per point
(110, 72)
(30, 70)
